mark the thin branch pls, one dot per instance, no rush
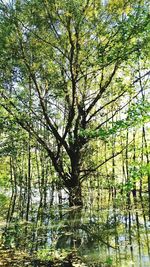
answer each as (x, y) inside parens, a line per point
(88, 171)
(119, 109)
(43, 40)
(102, 89)
(105, 105)
(139, 78)
(48, 121)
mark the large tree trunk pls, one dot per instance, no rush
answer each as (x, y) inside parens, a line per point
(71, 181)
(70, 177)
(74, 188)
(73, 184)
(75, 196)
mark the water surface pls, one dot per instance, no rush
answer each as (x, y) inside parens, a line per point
(103, 233)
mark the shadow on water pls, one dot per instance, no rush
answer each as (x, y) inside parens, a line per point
(103, 233)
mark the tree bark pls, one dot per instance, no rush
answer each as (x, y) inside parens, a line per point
(75, 196)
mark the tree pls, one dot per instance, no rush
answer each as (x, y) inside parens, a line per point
(60, 59)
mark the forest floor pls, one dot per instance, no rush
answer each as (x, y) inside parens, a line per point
(14, 258)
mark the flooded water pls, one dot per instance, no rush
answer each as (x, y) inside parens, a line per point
(102, 233)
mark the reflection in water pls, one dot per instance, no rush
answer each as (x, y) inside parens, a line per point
(99, 233)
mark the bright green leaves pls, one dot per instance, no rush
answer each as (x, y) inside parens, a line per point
(126, 33)
(59, 64)
(137, 172)
(139, 113)
(89, 133)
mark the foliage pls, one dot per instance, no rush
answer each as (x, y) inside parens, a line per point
(72, 72)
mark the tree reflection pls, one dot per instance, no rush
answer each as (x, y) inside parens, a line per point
(97, 234)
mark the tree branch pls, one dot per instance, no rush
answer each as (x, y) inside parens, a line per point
(102, 89)
(88, 171)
